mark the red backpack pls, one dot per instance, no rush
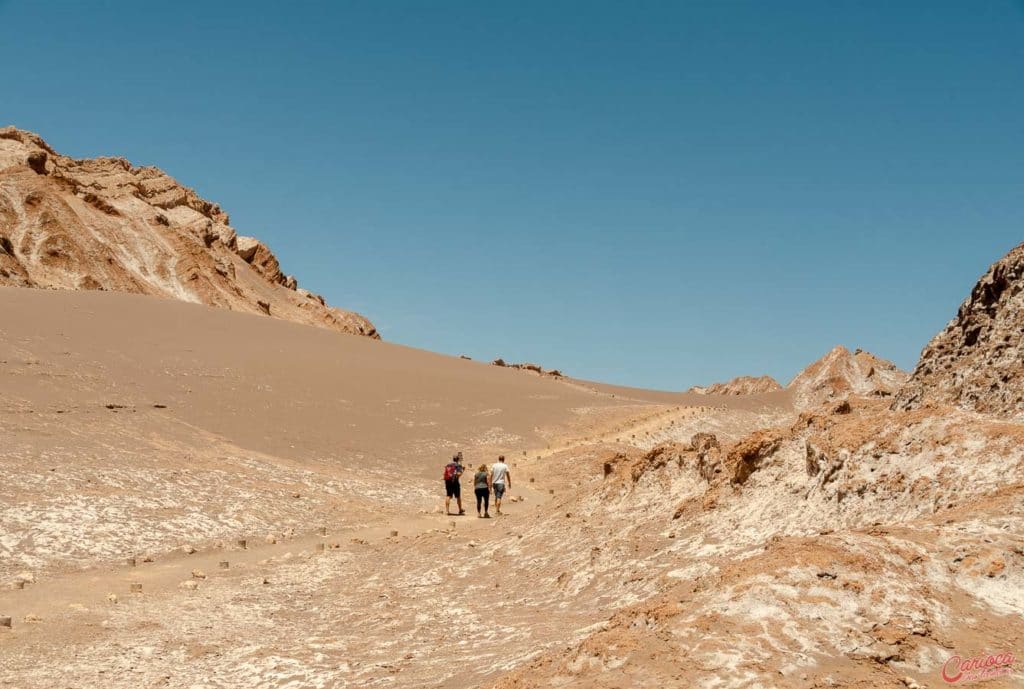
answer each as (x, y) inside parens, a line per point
(451, 470)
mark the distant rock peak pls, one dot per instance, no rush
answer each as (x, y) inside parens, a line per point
(741, 385)
(842, 373)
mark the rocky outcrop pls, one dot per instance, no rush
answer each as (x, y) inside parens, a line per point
(842, 373)
(747, 455)
(105, 224)
(536, 368)
(741, 385)
(977, 361)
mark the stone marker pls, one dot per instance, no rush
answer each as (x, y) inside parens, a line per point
(323, 530)
(551, 491)
(130, 561)
(240, 543)
(225, 564)
(5, 622)
(531, 479)
(136, 587)
(18, 584)
(394, 534)
(321, 547)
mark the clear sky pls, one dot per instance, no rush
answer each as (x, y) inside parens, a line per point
(650, 193)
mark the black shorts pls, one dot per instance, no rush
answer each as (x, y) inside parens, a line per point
(452, 488)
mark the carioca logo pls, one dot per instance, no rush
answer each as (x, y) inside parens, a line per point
(958, 669)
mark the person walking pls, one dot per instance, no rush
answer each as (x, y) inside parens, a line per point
(501, 479)
(482, 488)
(452, 487)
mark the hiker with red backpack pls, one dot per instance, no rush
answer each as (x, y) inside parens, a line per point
(452, 488)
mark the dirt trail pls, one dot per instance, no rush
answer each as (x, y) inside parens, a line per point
(88, 589)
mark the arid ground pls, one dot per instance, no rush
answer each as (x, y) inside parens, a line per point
(146, 428)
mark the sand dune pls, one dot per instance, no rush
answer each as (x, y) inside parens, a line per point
(272, 386)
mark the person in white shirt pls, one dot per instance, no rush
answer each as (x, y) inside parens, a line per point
(501, 479)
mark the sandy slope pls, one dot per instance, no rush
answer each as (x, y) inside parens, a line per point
(135, 426)
(265, 385)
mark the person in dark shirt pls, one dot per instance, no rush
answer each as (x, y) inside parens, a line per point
(452, 488)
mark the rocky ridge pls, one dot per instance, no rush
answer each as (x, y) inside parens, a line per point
(977, 361)
(105, 224)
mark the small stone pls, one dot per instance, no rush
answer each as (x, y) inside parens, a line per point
(472, 544)
(130, 561)
(188, 549)
(995, 567)
(271, 539)
(323, 530)
(224, 564)
(136, 587)
(25, 577)
(241, 543)
(189, 585)
(147, 559)
(198, 574)
(32, 618)
(296, 495)
(265, 581)
(112, 598)
(394, 533)
(5, 622)
(17, 584)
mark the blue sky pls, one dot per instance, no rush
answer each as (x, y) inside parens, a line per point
(651, 193)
